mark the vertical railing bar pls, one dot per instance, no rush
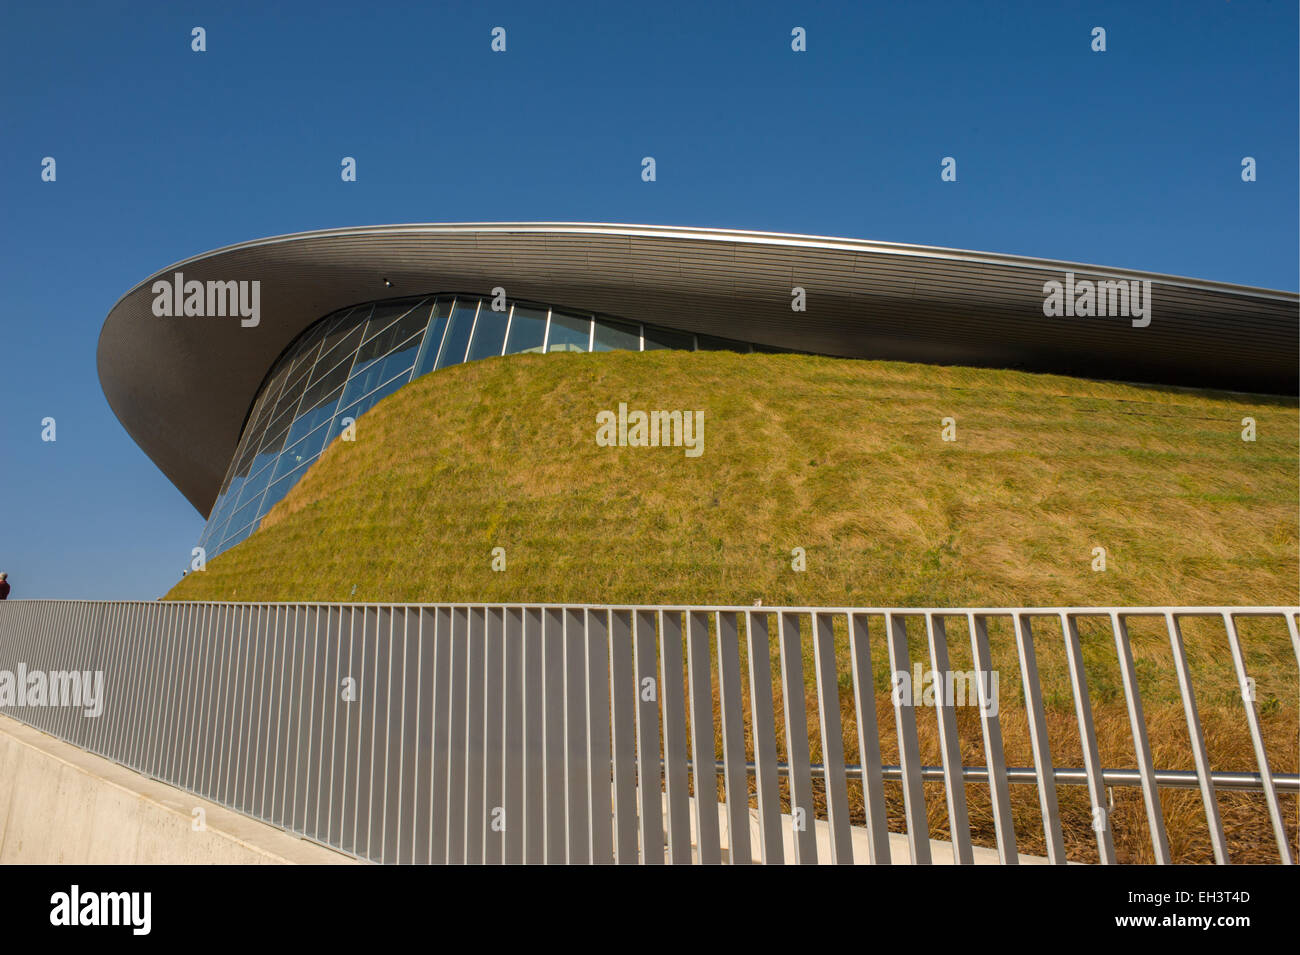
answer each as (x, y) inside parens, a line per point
(218, 648)
(731, 707)
(600, 809)
(99, 664)
(763, 715)
(555, 848)
(1141, 744)
(671, 676)
(646, 693)
(1201, 758)
(249, 767)
(577, 803)
(76, 652)
(999, 794)
(115, 746)
(184, 700)
(221, 648)
(457, 743)
(140, 724)
(703, 751)
(909, 748)
(949, 744)
(1037, 721)
(242, 729)
(230, 793)
(622, 697)
(333, 710)
(832, 738)
(534, 737)
(512, 767)
(803, 814)
(298, 691)
(440, 762)
(1088, 737)
(63, 651)
(493, 839)
(364, 695)
(864, 702)
(385, 637)
(1257, 741)
(268, 733)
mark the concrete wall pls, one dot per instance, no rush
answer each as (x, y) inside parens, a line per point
(59, 803)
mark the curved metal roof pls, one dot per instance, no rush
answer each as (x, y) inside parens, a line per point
(182, 386)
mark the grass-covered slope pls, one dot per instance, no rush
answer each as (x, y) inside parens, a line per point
(842, 458)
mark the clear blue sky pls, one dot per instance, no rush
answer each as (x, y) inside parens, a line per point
(1128, 158)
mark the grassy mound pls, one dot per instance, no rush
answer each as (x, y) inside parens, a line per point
(844, 459)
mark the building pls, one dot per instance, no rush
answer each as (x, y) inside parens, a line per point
(234, 369)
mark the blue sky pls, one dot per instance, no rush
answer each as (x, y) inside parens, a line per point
(1127, 158)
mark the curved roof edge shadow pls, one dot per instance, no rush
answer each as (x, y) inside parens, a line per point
(184, 386)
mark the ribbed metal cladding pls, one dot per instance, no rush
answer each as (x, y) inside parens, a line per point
(183, 386)
(509, 733)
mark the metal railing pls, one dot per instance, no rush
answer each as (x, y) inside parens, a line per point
(526, 733)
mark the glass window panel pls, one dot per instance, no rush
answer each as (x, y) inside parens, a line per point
(230, 494)
(218, 521)
(273, 390)
(462, 323)
(489, 333)
(569, 333)
(283, 419)
(246, 513)
(358, 408)
(255, 427)
(527, 330)
(401, 360)
(237, 537)
(712, 343)
(373, 350)
(253, 488)
(656, 338)
(276, 491)
(274, 441)
(433, 337)
(413, 321)
(338, 348)
(292, 392)
(611, 336)
(770, 350)
(248, 449)
(304, 452)
(380, 370)
(323, 388)
(301, 366)
(386, 312)
(309, 420)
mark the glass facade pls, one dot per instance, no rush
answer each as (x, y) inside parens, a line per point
(344, 364)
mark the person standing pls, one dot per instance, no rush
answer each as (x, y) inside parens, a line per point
(4, 586)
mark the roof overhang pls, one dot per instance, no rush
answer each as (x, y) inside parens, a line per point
(182, 387)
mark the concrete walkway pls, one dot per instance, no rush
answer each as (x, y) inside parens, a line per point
(61, 804)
